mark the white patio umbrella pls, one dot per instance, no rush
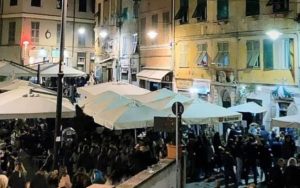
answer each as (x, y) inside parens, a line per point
(20, 103)
(250, 107)
(120, 88)
(167, 102)
(202, 112)
(102, 102)
(153, 96)
(292, 121)
(15, 70)
(133, 115)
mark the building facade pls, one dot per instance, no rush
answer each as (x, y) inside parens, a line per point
(30, 32)
(155, 44)
(107, 35)
(224, 54)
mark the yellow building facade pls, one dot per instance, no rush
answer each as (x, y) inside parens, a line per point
(222, 48)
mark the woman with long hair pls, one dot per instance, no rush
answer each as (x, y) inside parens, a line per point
(18, 177)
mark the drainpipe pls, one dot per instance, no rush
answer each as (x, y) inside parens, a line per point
(174, 88)
(73, 37)
(1, 20)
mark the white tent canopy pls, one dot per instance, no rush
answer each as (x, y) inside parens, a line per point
(250, 107)
(292, 121)
(202, 112)
(20, 103)
(14, 84)
(120, 88)
(15, 70)
(51, 70)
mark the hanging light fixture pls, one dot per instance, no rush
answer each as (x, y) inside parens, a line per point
(273, 34)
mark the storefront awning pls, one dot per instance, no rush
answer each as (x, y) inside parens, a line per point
(152, 75)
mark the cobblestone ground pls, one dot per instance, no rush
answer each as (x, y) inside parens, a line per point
(219, 180)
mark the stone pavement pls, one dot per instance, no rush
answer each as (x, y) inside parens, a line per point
(207, 183)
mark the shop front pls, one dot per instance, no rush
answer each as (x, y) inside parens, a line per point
(153, 79)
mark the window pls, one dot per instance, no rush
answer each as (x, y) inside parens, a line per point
(58, 4)
(125, 13)
(99, 14)
(253, 54)
(183, 56)
(82, 5)
(36, 3)
(135, 9)
(13, 2)
(252, 7)
(11, 32)
(182, 13)
(124, 73)
(279, 5)
(202, 57)
(35, 32)
(81, 39)
(222, 7)
(143, 31)
(222, 58)
(58, 33)
(166, 26)
(126, 47)
(278, 54)
(154, 22)
(93, 6)
(154, 26)
(81, 58)
(201, 10)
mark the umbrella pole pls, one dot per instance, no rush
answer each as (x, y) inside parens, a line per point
(135, 137)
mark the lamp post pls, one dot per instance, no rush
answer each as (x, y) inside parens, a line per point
(60, 74)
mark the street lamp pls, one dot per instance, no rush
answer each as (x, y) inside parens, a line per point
(81, 30)
(103, 34)
(273, 34)
(152, 34)
(60, 74)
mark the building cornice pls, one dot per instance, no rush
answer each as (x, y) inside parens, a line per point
(46, 17)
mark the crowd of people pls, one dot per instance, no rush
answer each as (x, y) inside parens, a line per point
(267, 158)
(105, 157)
(110, 157)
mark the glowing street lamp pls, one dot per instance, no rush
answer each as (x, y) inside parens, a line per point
(81, 30)
(152, 34)
(274, 34)
(103, 34)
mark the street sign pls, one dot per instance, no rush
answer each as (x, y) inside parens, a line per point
(167, 124)
(180, 108)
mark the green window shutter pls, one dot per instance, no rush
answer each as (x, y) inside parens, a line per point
(268, 54)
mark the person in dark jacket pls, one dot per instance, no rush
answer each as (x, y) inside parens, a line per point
(276, 175)
(39, 180)
(288, 148)
(18, 177)
(48, 163)
(81, 179)
(291, 174)
(228, 162)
